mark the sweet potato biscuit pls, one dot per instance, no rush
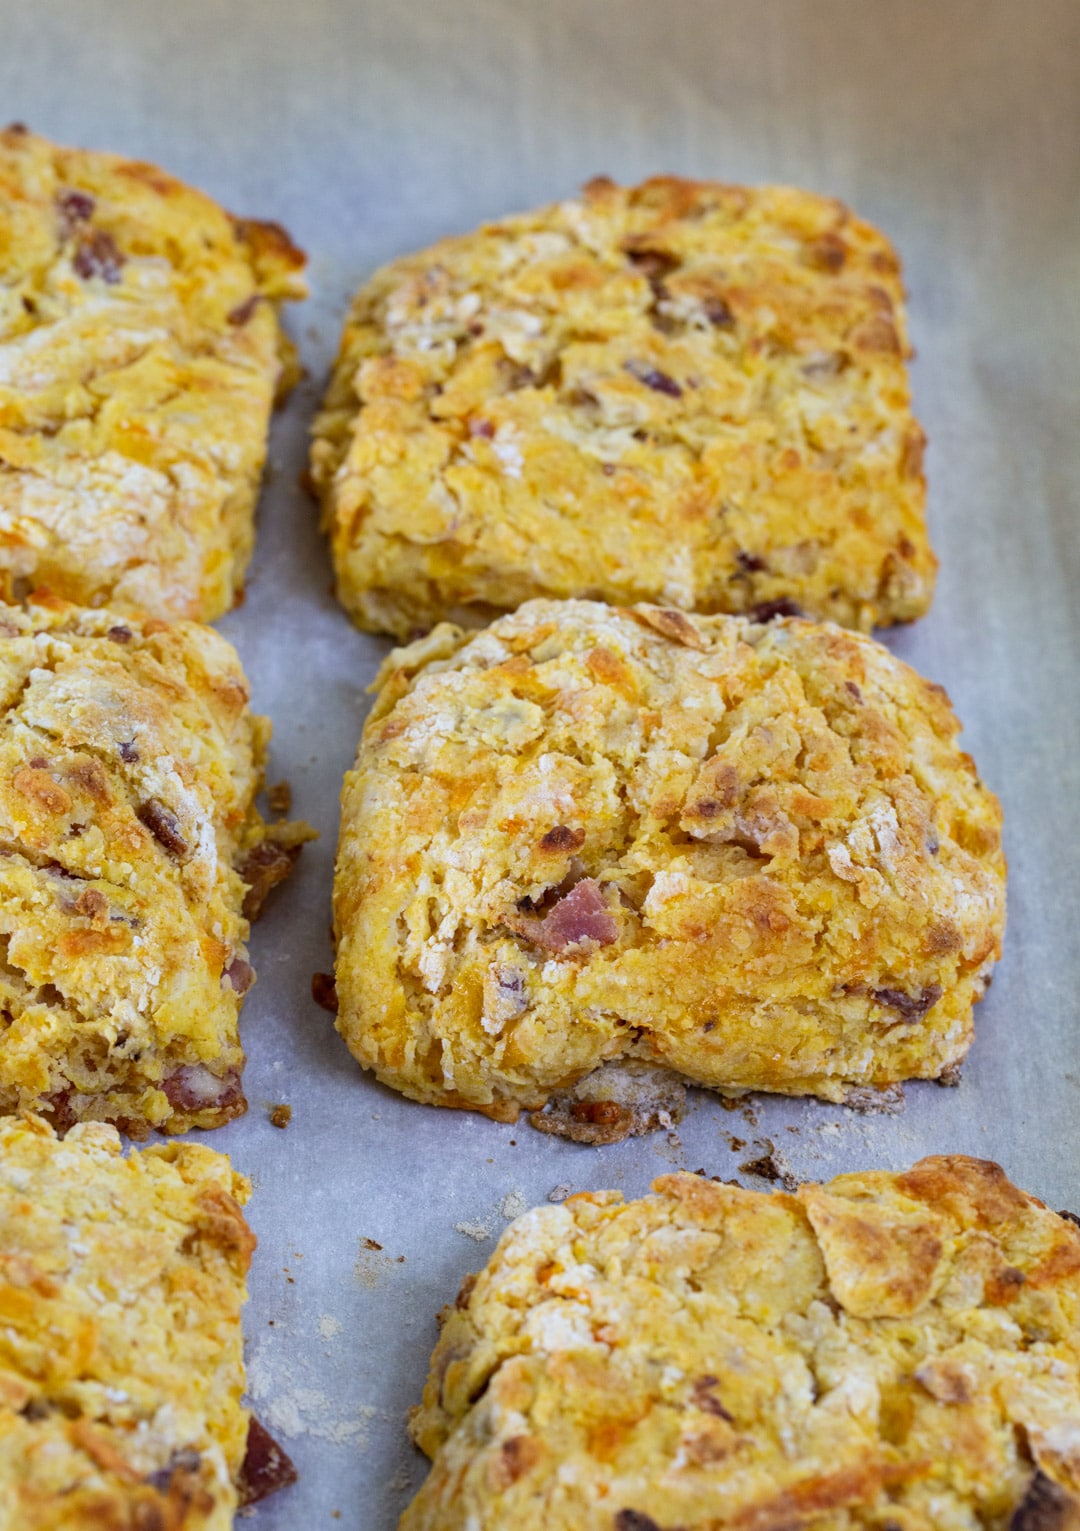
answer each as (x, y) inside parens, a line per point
(749, 853)
(890, 1351)
(681, 392)
(129, 760)
(121, 1371)
(140, 352)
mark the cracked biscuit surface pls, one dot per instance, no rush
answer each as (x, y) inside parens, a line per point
(140, 354)
(890, 1351)
(121, 1373)
(751, 854)
(129, 761)
(681, 392)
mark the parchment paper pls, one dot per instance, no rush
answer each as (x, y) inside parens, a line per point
(370, 129)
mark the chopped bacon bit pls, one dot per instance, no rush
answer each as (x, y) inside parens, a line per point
(262, 869)
(163, 825)
(324, 991)
(560, 837)
(766, 611)
(75, 207)
(581, 915)
(653, 378)
(243, 311)
(239, 975)
(266, 1467)
(98, 255)
(194, 1088)
(60, 1111)
(635, 1520)
(910, 1007)
(1046, 1506)
(119, 633)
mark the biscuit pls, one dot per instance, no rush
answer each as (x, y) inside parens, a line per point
(121, 1370)
(748, 853)
(886, 1351)
(680, 392)
(140, 353)
(129, 761)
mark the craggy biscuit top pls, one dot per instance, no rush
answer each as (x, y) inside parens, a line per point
(895, 1351)
(140, 352)
(129, 760)
(121, 1373)
(750, 853)
(682, 392)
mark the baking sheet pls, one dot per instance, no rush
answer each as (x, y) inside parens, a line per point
(370, 129)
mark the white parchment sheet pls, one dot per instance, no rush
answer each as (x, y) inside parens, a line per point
(370, 127)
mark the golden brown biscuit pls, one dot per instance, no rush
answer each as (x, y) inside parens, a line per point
(890, 1351)
(129, 761)
(680, 392)
(121, 1370)
(752, 854)
(140, 352)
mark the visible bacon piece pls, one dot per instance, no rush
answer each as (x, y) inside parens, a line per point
(60, 1111)
(163, 825)
(635, 1520)
(767, 611)
(75, 207)
(262, 869)
(1046, 1506)
(98, 256)
(910, 1007)
(239, 975)
(194, 1088)
(266, 1467)
(652, 377)
(324, 991)
(580, 915)
(243, 311)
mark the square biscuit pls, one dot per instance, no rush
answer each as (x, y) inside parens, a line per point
(680, 392)
(121, 1367)
(140, 355)
(752, 855)
(129, 763)
(886, 1352)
